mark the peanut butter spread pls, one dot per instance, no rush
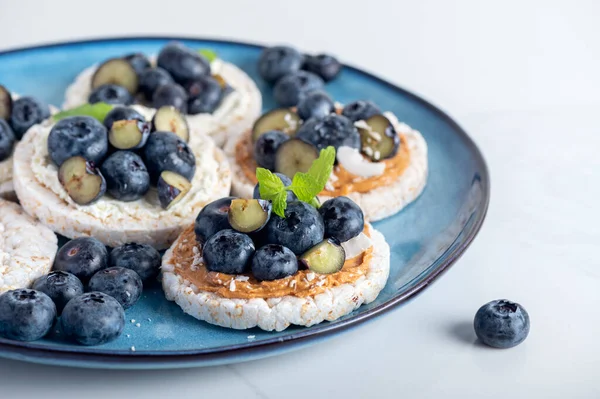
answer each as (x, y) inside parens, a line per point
(344, 181)
(187, 262)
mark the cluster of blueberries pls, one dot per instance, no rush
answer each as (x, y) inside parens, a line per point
(287, 140)
(121, 157)
(16, 117)
(114, 283)
(182, 79)
(243, 236)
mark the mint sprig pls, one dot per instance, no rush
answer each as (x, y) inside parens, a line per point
(209, 54)
(97, 111)
(306, 186)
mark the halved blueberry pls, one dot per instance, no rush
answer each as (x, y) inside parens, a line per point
(171, 188)
(249, 215)
(379, 139)
(82, 180)
(280, 119)
(295, 156)
(326, 257)
(170, 119)
(116, 71)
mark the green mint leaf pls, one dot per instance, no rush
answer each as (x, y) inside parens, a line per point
(269, 184)
(322, 167)
(304, 186)
(314, 202)
(280, 203)
(307, 186)
(97, 111)
(209, 54)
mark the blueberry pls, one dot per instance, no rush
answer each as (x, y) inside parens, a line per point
(273, 261)
(301, 229)
(292, 88)
(334, 130)
(7, 140)
(138, 61)
(316, 104)
(141, 258)
(170, 94)
(26, 112)
(286, 182)
(360, 110)
(127, 178)
(152, 79)
(212, 219)
(82, 257)
(26, 315)
(93, 319)
(111, 94)
(324, 65)
(228, 252)
(204, 95)
(166, 151)
(122, 114)
(343, 219)
(122, 284)
(61, 287)
(78, 136)
(182, 63)
(276, 62)
(501, 324)
(266, 146)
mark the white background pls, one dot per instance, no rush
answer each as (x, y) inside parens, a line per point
(523, 78)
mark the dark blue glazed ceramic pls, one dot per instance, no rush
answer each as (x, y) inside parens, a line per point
(426, 238)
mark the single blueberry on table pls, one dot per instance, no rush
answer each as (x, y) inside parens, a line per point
(26, 112)
(82, 257)
(204, 95)
(273, 261)
(26, 315)
(501, 324)
(60, 286)
(111, 94)
(292, 88)
(276, 62)
(152, 79)
(122, 114)
(7, 140)
(127, 178)
(228, 251)
(141, 258)
(266, 146)
(301, 229)
(213, 218)
(184, 64)
(122, 284)
(166, 151)
(360, 110)
(343, 219)
(93, 319)
(332, 130)
(316, 104)
(77, 136)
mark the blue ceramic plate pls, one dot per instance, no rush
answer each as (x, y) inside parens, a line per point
(426, 238)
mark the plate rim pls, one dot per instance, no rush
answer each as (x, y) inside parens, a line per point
(207, 355)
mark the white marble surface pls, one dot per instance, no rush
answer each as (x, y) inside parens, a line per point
(523, 78)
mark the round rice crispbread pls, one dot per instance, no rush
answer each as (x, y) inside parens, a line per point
(278, 313)
(27, 248)
(115, 222)
(376, 204)
(225, 122)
